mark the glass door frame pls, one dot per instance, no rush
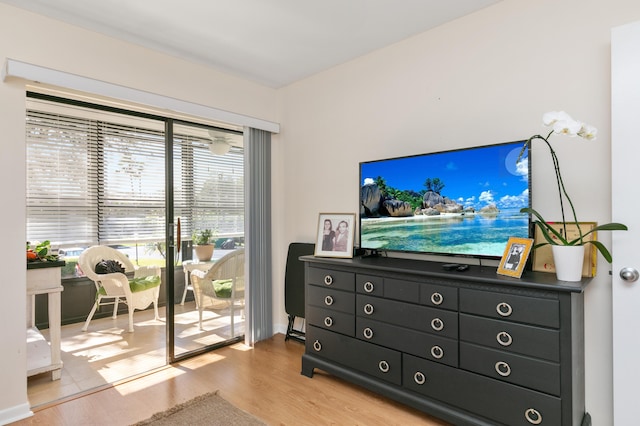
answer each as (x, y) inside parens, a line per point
(171, 251)
(170, 244)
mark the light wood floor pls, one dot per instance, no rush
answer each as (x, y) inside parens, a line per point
(264, 381)
(107, 353)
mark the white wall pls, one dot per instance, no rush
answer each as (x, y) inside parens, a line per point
(485, 78)
(33, 39)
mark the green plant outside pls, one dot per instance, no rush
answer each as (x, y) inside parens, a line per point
(69, 268)
(202, 237)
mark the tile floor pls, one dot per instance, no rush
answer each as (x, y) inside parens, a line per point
(107, 353)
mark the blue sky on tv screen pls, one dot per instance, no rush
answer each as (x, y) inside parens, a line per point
(473, 177)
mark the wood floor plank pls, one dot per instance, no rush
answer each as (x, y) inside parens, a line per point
(264, 381)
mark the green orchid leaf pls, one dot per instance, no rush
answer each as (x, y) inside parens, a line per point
(547, 236)
(606, 227)
(546, 229)
(602, 249)
(611, 227)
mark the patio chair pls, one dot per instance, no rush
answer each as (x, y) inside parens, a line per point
(221, 286)
(138, 287)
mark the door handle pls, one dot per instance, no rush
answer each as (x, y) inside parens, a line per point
(629, 274)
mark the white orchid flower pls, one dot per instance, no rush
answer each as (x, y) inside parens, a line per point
(549, 118)
(567, 127)
(563, 124)
(588, 132)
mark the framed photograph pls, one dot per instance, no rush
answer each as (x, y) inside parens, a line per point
(335, 235)
(515, 256)
(543, 256)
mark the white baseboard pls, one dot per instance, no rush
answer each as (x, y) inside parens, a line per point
(15, 413)
(280, 328)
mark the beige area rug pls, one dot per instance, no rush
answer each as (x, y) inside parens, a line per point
(208, 409)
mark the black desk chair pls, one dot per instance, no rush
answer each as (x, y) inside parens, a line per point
(294, 287)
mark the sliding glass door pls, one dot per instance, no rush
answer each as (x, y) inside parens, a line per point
(152, 188)
(206, 223)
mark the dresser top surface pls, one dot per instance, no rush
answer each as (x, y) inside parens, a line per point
(475, 273)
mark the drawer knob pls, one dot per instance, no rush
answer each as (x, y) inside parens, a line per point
(437, 324)
(436, 298)
(533, 416)
(504, 338)
(328, 279)
(328, 321)
(419, 378)
(504, 309)
(368, 287)
(383, 366)
(317, 346)
(328, 300)
(437, 352)
(503, 369)
(368, 309)
(368, 333)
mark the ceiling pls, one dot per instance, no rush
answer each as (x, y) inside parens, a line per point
(271, 42)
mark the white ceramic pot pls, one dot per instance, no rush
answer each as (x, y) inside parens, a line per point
(568, 262)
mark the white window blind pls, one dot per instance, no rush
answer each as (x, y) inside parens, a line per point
(131, 180)
(95, 178)
(62, 190)
(209, 189)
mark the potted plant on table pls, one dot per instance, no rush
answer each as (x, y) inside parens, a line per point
(203, 245)
(563, 124)
(40, 251)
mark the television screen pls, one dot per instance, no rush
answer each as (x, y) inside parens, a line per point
(463, 202)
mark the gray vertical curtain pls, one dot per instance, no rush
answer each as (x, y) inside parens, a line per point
(258, 285)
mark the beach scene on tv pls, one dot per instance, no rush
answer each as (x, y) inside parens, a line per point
(464, 202)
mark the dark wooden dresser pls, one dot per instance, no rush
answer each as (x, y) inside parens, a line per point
(470, 347)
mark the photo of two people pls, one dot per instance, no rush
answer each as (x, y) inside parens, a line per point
(335, 235)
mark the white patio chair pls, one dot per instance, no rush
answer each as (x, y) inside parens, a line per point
(221, 286)
(138, 287)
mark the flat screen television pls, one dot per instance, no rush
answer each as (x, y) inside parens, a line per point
(464, 202)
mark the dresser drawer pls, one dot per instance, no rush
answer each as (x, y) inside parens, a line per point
(500, 402)
(426, 294)
(423, 318)
(331, 279)
(524, 339)
(524, 309)
(517, 369)
(335, 300)
(408, 291)
(370, 284)
(331, 320)
(439, 296)
(435, 348)
(376, 361)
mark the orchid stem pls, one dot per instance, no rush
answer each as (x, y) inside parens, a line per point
(561, 188)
